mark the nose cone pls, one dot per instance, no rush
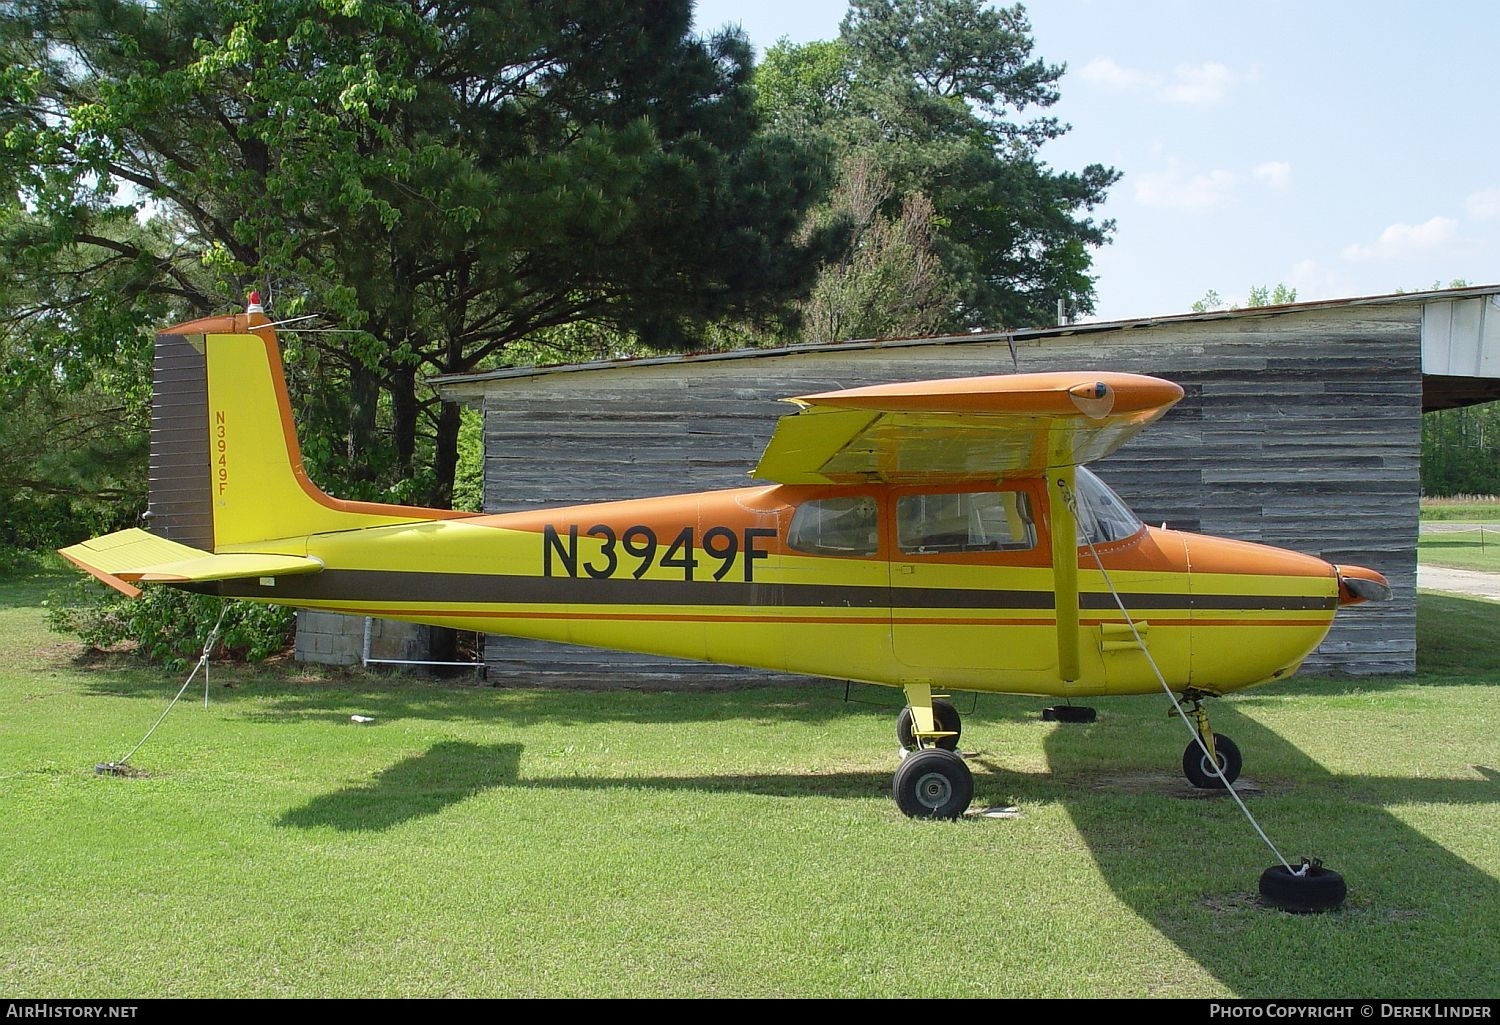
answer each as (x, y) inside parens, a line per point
(1358, 584)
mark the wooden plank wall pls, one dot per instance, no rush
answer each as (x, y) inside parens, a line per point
(1300, 429)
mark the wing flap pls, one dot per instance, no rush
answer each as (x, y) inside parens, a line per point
(805, 443)
(128, 556)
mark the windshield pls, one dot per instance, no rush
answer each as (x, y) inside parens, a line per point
(1102, 516)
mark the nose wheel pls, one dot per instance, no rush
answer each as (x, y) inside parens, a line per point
(1207, 749)
(1200, 771)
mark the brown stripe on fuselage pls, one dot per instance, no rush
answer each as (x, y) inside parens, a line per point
(448, 588)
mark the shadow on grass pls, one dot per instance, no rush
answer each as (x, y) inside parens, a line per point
(453, 771)
(872, 785)
(1457, 636)
(413, 788)
(1410, 899)
(267, 697)
(30, 590)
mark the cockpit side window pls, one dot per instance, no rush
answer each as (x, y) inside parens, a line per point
(1102, 515)
(969, 521)
(835, 526)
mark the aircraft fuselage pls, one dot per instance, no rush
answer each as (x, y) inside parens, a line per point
(949, 586)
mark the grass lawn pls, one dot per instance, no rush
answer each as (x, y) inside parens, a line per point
(1477, 548)
(480, 842)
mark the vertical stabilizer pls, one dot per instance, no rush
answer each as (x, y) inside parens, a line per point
(226, 469)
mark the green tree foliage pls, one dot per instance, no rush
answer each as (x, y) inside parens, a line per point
(1461, 451)
(468, 486)
(169, 626)
(438, 181)
(1263, 295)
(1209, 302)
(943, 97)
(1260, 295)
(72, 463)
(73, 434)
(890, 281)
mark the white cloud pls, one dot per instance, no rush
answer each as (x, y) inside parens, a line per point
(1275, 174)
(1313, 281)
(1484, 203)
(1402, 241)
(1198, 84)
(1176, 189)
(1196, 191)
(1106, 72)
(1206, 83)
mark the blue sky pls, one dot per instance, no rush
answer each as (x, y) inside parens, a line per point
(1342, 148)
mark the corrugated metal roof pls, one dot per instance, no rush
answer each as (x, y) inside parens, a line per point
(1064, 330)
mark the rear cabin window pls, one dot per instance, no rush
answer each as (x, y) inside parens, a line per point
(968, 521)
(835, 526)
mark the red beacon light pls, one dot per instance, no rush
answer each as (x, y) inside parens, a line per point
(255, 306)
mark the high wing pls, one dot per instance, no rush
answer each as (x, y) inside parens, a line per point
(130, 556)
(934, 432)
(937, 431)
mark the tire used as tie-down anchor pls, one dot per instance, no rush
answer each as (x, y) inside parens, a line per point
(1316, 889)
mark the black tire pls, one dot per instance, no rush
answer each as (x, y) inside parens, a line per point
(933, 784)
(1318, 889)
(1200, 774)
(947, 718)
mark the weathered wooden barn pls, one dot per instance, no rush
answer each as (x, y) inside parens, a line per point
(1301, 428)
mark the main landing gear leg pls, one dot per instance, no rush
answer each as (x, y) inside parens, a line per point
(1197, 765)
(933, 782)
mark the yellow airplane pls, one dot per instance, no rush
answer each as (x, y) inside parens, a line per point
(937, 536)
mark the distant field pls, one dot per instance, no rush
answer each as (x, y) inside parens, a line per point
(1479, 509)
(480, 842)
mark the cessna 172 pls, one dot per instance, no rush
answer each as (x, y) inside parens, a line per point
(938, 536)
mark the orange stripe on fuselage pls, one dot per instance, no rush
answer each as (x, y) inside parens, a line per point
(876, 619)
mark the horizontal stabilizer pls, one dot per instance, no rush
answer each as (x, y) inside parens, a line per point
(133, 555)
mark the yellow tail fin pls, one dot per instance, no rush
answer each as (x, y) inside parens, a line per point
(226, 469)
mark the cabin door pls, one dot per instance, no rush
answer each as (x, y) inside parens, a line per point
(970, 586)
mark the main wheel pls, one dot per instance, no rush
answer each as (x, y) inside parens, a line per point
(1317, 889)
(933, 784)
(1196, 767)
(946, 718)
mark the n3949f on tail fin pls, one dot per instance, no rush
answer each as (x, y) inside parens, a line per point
(226, 470)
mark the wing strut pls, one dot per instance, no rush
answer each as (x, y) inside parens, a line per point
(1060, 490)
